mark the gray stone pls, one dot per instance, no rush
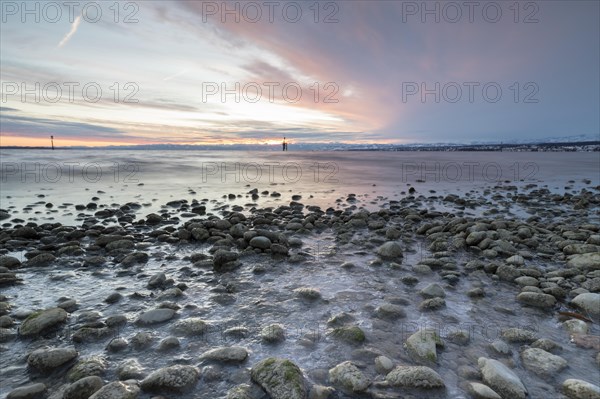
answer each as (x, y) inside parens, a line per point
(40, 322)
(348, 377)
(501, 379)
(260, 242)
(178, 378)
(229, 354)
(30, 391)
(579, 389)
(414, 377)
(390, 250)
(46, 360)
(537, 300)
(480, 391)
(83, 388)
(280, 378)
(118, 390)
(589, 303)
(542, 363)
(422, 346)
(155, 316)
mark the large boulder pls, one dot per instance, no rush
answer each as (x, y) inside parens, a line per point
(280, 378)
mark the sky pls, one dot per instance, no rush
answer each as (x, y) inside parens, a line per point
(204, 72)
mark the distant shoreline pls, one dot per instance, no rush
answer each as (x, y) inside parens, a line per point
(587, 146)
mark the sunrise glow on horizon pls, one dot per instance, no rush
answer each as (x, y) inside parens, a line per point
(208, 73)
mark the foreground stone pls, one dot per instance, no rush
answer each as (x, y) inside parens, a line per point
(589, 303)
(28, 392)
(280, 378)
(83, 388)
(537, 300)
(347, 376)
(414, 377)
(46, 360)
(177, 378)
(155, 316)
(480, 391)
(501, 379)
(390, 250)
(42, 321)
(579, 389)
(118, 390)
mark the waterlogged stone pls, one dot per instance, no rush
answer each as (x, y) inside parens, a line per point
(155, 316)
(537, 300)
(46, 360)
(589, 303)
(228, 354)
(280, 378)
(40, 322)
(118, 390)
(422, 346)
(390, 250)
(501, 379)
(31, 391)
(542, 363)
(480, 391)
(414, 377)
(178, 378)
(83, 388)
(579, 389)
(348, 377)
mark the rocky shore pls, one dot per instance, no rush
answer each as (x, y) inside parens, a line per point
(426, 296)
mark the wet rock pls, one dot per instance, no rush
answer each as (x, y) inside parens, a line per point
(546, 344)
(142, 340)
(308, 293)
(91, 366)
(537, 300)
(43, 321)
(273, 333)
(422, 346)
(155, 316)
(500, 347)
(349, 334)
(157, 280)
(224, 259)
(118, 390)
(83, 388)
(433, 291)
(579, 389)
(507, 273)
(390, 250)
(46, 360)
(113, 298)
(518, 335)
(94, 261)
(524, 281)
(390, 311)
(10, 262)
(587, 261)
(242, 391)
(383, 364)
(349, 378)
(117, 345)
(228, 354)
(414, 377)
(135, 258)
(280, 378)
(475, 237)
(516, 260)
(130, 369)
(278, 249)
(575, 326)
(542, 363)
(432, 304)
(260, 242)
(589, 303)
(89, 334)
(501, 379)
(168, 343)
(192, 326)
(30, 391)
(25, 232)
(43, 259)
(480, 391)
(178, 378)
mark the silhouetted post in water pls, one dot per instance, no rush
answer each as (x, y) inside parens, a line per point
(52, 141)
(284, 145)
